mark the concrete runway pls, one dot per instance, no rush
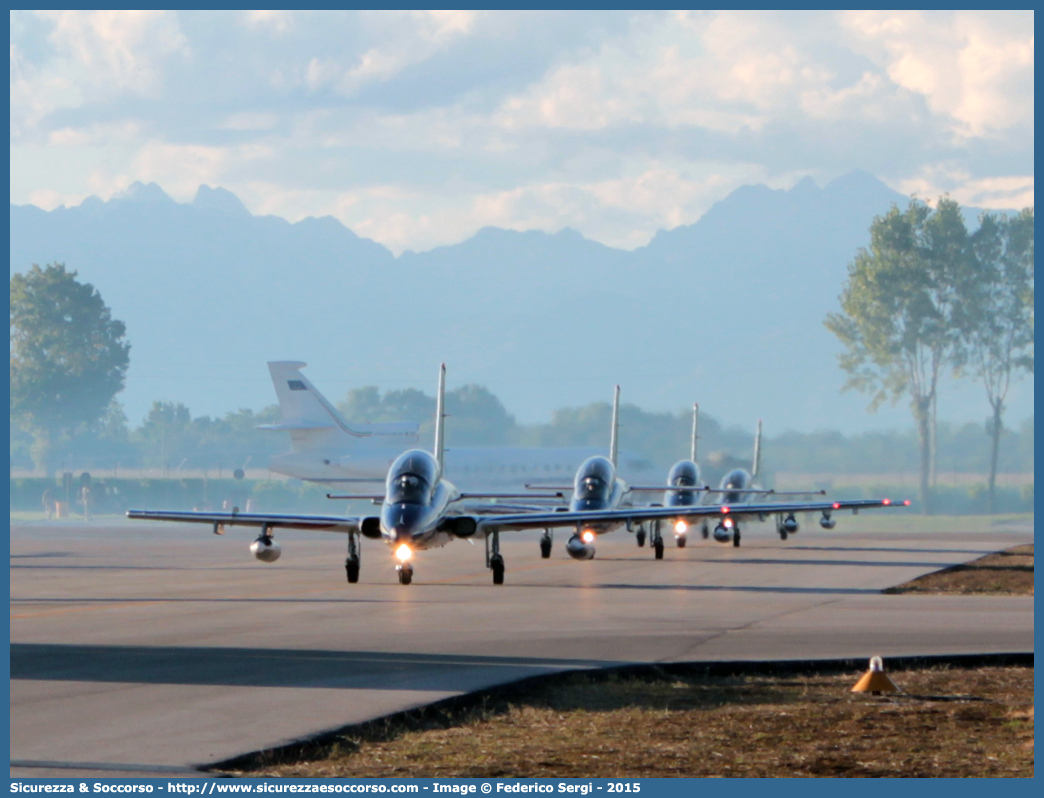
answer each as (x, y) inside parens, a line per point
(151, 649)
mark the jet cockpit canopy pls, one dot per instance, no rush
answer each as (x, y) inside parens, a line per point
(736, 479)
(593, 479)
(684, 474)
(411, 478)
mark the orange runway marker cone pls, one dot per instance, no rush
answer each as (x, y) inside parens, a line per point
(875, 680)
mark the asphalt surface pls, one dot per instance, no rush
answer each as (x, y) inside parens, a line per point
(153, 649)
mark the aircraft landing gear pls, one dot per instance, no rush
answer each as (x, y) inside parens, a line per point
(680, 540)
(351, 564)
(736, 537)
(640, 537)
(782, 534)
(704, 532)
(545, 544)
(657, 540)
(405, 573)
(494, 561)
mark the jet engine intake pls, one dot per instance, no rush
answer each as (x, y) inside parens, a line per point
(462, 527)
(265, 549)
(371, 527)
(578, 550)
(790, 524)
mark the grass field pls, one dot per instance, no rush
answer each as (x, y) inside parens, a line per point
(1005, 573)
(948, 722)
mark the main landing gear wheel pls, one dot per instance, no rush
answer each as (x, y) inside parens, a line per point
(494, 560)
(405, 574)
(496, 563)
(351, 566)
(545, 545)
(640, 537)
(658, 549)
(735, 537)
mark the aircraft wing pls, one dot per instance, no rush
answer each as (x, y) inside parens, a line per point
(742, 511)
(324, 523)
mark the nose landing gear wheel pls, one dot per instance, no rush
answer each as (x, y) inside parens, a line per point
(640, 537)
(496, 563)
(405, 574)
(680, 540)
(351, 566)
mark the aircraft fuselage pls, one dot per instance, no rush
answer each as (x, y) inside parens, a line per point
(417, 502)
(596, 487)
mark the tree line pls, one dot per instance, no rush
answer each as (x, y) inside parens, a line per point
(927, 296)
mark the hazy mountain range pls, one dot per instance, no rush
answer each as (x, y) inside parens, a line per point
(727, 311)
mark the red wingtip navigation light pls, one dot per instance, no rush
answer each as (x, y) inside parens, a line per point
(837, 505)
(886, 502)
(906, 502)
(724, 509)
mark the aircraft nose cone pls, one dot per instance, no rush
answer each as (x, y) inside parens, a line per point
(401, 522)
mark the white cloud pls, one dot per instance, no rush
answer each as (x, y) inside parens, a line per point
(276, 22)
(97, 55)
(401, 39)
(49, 200)
(117, 49)
(178, 169)
(419, 127)
(974, 67)
(1001, 193)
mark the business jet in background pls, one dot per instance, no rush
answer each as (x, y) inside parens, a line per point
(420, 509)
(325, 448)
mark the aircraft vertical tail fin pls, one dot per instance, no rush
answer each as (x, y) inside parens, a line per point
(440, 417)
(695, 429)
(757, 452)
(614, 435)
(306, 415)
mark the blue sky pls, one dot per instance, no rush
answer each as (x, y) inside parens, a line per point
(418, 128)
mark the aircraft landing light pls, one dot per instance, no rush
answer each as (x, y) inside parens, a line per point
(404, 552)
(680, 527)
(587, 536)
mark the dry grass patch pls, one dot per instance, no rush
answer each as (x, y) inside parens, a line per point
(1008, 573)
(949, 722)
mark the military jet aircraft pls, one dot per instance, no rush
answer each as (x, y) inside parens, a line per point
(420, 510)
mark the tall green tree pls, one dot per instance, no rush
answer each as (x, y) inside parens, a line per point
(69, 356)
(996, 313)
(898, 308)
